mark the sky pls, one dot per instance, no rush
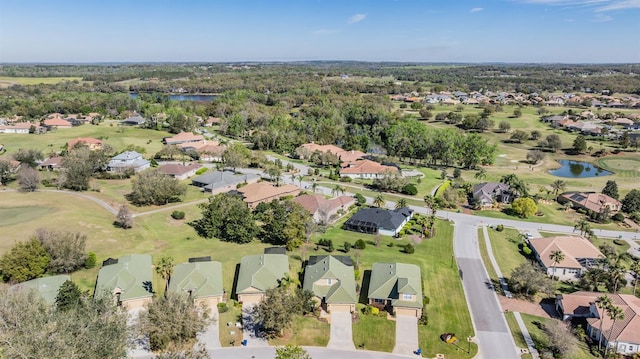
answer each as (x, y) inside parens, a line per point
(468, 31)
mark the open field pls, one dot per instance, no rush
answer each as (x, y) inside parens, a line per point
(6, 81)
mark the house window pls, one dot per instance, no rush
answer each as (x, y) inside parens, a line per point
(622, 348)
(378, 300)
(407, 296)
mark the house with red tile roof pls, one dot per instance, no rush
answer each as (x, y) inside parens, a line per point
(622, 336)
(324, 210)
(57, 122)
(256, 193)
(92, 143)
(591, 201)
(366, 169)
(206, 150)
(579, 255)
(178, 171)
(305, 151)
(51, 163)
(182, 137)
(21, 127)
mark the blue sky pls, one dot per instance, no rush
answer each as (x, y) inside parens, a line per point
(568, 31)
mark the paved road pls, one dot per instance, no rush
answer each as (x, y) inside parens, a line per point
(406, 334)
(341, 331)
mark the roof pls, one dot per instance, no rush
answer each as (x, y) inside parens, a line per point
(135, 120)
(256, 192)
(382, 218)
(46, 287)
(317, 202)
(220, 179)
(131, 274)
(183, 137)
(127, 155)
(366, 167)
(574, 248)
(55, 161)
(261, 272)
(202, 279)
(56, 121)
(591, 200)
(177, 169)
(330, 267)
(488, 188)
(343, 155)
(389, 280)
(625, 330)
(87, 140)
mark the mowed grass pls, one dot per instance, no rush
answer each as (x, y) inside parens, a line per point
(7, 80)
(517, 334)
(305, 331)
(447, 309)
(506, 249)
(626, 165)
(14, 215)
(230, 335)
(374, 333)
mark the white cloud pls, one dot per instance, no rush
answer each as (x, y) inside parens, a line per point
(619, 5)
(602, 18)
(325, 31)
(598, 5)
(356, 18)
(476, 9)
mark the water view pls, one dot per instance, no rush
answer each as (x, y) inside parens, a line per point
(181, 97)
(578, 169)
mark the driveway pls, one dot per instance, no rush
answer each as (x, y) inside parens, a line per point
(250, 329)
(210, 337)
(406, 334)
(341, 331)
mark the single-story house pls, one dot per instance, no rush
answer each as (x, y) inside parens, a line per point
(211, 151)
(305, 151)
(332, 280)
(129, 279)
(366, 169)
(591, 201)
(57, 122)
(126, 160)
(92, 143)
(486, 193)
(182, 137)
(51, 163)
(179, 171)
(322, 209)
(579, 255)
(46, 287)
(256, 193)
(258, 273)
(136, 120)
(222, 181)
(201, 279)
(623, 337)
(379, 220)
(22, 127)
(397, 288)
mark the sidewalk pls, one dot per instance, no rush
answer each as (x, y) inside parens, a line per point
(527, 336)
(494, 263)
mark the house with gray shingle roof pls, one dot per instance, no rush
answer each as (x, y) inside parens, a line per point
(127, 160)
(332, 280)
(396, 287)
(258, 273)
(222, 181)
(379, 221)
(201, 279)
(129, 279)
(46, 287)
(484, 194)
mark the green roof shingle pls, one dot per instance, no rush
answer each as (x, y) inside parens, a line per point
(390, 280)
(261, 272)
(132, 274)
(342, 291)
(203, 279)
(46, 287)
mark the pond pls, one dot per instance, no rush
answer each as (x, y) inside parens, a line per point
(179, 97)
(578, 169)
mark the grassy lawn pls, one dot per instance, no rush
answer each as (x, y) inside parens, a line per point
(447, 307)
(517, 334)
(233, 315)
(541, 340)
(15, 215)
(7, 80)
(307, 331)
(506, 249)
(367, 333)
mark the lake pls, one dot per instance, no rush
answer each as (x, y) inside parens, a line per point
(183, 97)
(578, 169)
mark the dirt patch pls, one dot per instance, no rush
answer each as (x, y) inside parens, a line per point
(545, 310)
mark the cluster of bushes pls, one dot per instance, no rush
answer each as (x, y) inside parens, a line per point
(375, 311)
(177, 215)
(327, 244)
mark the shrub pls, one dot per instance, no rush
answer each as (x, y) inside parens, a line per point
(619, 242)
(526, 250)
(500, 228)
(202, 170)
(222, 307)
(409, 248)
(347, 247)
(360, 244)
(177, 215)
(360, 199)
(345, 179)
(619, 217)
(410, 189)
(91, 260)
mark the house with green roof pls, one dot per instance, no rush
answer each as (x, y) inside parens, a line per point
(129, 279)
(332, 280)
(201, 279)
(46, 287)
(258, 273)
(397, 288)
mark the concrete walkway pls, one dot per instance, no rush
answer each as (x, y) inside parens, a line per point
(527, 336)
(341, 332)
(494, 263)
(406, 334)
(210, 337)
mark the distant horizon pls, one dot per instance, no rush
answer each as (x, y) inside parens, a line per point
(254, 31)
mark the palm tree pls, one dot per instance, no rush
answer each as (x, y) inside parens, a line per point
(615, 314)
(481, 174)
(165, 269)
(615, 274)
(314, 187)
(582, 225)
(431, 203)
(378, 201)
(557, 186)
(401, 203)
(635, 268)
(556, 257)
(603, 302)
(300, 179)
